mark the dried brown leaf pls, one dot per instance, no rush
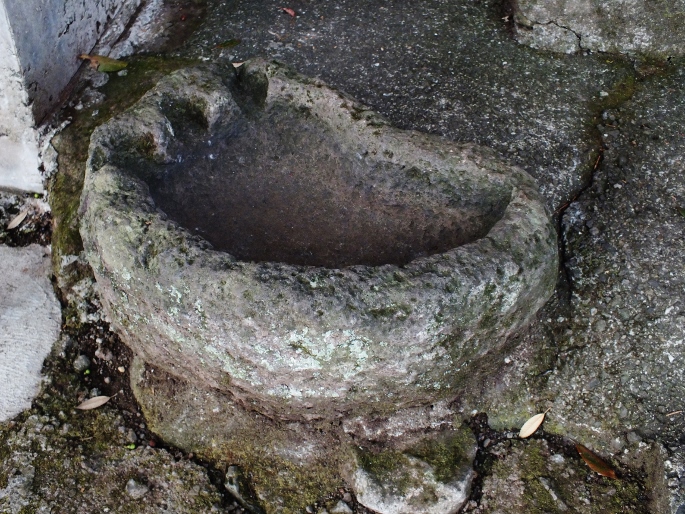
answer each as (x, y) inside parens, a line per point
(16, 221)
(102, 63)
(530, 426)
(595, 462)
(291, 12)
(94, 403)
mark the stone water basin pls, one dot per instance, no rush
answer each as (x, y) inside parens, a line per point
(260, 233)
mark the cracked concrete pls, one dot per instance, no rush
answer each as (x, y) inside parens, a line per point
(548, 36)
(612, 26)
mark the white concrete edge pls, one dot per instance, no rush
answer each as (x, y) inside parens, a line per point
(18, 138)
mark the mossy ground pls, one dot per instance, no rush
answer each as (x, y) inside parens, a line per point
(280, 475)
(81, 461)
(545, 474)
(548, 487)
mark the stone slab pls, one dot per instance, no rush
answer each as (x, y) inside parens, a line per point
(613, 375)
(651, 28)
(30, 319)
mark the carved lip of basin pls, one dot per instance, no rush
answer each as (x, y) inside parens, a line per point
(354, 265)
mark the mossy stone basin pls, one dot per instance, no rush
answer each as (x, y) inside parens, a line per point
(260, 233)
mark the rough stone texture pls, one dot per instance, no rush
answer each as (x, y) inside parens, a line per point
(653, 28)
(30, 319)
(674, 471)
(450, 68)
(291, 465)
(157, 26)
(18, 140)
(285, 336)
(625, 260)
(71, 473)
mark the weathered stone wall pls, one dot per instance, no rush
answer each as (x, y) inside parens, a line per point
(40, 42)
(30, 320)
(18, 146)
(50, 35)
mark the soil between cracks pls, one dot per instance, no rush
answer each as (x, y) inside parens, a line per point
(36, 227)
(487, 455)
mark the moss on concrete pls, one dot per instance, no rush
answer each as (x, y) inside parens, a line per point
(536, 478)
(388, 468)
(72, 145)
(448, 454)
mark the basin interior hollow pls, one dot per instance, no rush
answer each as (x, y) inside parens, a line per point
(277, 184)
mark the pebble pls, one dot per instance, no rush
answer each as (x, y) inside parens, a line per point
(557, 458)
(341, 508)
(105, 356)
(617, 444)
(633, 438)
(81, 363)
(136, 490)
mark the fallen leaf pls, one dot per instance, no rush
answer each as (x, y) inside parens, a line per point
(291, 12)
(94, 403)
(230, 43)
(595, 462)
(530, 426)
(17, 220)
(238, 64)
(102, 63)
